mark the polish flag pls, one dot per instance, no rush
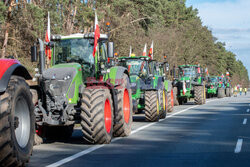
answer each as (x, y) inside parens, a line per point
(144, 50)
(151, 51)
(130, 51)
(47, 39)
(184, 88)
(97, 35)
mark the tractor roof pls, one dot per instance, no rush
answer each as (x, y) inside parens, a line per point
(79, 35)
(187, 66)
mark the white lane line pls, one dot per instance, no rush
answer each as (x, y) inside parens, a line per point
(247, 110)
(91, 149)
(238, 146)
(245, 121)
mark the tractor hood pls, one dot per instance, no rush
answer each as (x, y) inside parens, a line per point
(185, 78)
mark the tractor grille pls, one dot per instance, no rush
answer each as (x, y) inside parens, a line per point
(57, 80)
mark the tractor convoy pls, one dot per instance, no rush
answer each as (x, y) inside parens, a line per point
(80, 85)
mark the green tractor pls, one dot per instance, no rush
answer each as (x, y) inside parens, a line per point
(225, 87)
(212, 86)
(80, 88)
(150, 91)
(190, 84)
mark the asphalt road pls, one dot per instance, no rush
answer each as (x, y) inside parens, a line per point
(214, 134)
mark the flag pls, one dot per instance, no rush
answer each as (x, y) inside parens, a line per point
(144, 50)
(130, 51)
(47, 39)
(184, 88)
(97, 35)
(206, 70)
(151, 50)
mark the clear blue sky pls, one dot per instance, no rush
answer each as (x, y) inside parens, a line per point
(229, 21)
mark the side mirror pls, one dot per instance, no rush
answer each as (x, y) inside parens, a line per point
(111, 49)
(33, 50)
(167, 67)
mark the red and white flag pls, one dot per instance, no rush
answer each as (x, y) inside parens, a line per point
(97, 34)
(47, 39)
(144, 50)
(130, 51)
(184, 88)
(151, 51)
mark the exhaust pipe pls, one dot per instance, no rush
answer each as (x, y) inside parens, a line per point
(41, 56)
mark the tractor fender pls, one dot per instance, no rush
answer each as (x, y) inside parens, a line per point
(14, 68)
(116, 74)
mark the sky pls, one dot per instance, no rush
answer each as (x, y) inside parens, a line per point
(229, 21)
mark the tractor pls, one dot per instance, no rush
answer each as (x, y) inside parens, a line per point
(190, 84)
(164, 69)
(225, 87)
(80, 88)
(212, 86)
(150, 91)
(17, 119)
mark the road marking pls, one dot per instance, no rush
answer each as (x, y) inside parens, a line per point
(244, 121)
(238, 146)
(91, 149)
(247, 110)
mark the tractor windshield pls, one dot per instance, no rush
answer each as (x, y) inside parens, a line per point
(135, 66)
(187, 72)
(74, 50)
(212, 80)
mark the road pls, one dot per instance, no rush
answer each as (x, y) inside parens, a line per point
(214, 134)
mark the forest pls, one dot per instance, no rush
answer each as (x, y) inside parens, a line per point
(177, 30)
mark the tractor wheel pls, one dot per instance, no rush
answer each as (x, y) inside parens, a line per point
(17, 123)
(57, 132)
(152, 106)
(227, 92)
(231, 92)
(123, 117)
(170, 100)
(97, 115)
(164, 106)
(176, 102)
(204, 95)
(221, 92)
(198, 95)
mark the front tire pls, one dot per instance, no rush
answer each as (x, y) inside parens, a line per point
(17, 123)
(97, 115)
(123, 116)
(151, 106)
(221, 92)
(198, 95)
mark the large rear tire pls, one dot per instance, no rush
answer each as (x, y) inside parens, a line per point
(123, 116)
(198, 95)
(17, 123)
(152, 106)
(97, 115)
(221, 92)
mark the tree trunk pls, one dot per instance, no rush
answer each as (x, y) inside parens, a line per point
(6, 34)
